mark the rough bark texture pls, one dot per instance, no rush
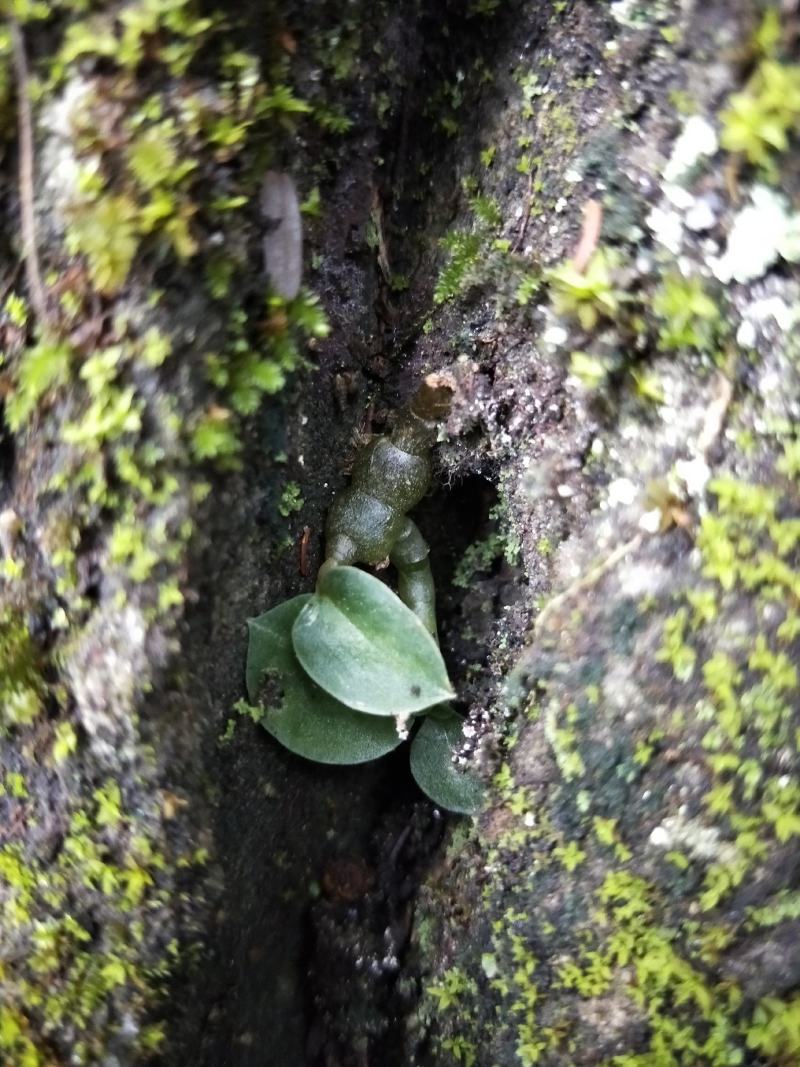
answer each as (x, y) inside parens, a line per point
(613, 537)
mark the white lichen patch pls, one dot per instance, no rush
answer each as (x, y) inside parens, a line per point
(697, 141)
(640, 578)
(59, 166)
(701, 841)
(105, 670)
(622, 492)
(620, 688)
(763, 232)
(666, 225)
(693, 474)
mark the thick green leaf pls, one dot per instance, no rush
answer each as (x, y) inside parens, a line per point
(360, 642)
(434, 771)
(306, 720)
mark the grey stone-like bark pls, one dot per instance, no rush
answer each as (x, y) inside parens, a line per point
(178, 889)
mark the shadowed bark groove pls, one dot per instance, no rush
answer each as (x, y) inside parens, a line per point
(613, 530)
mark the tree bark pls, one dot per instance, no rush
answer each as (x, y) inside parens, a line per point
(533, 197)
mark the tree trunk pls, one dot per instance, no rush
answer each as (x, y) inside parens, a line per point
(567, 207)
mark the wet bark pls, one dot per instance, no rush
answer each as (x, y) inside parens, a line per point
(174, 887)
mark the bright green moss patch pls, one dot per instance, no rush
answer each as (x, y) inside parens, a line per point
(479, 256)
(675, 650)
(22, 688)
(115, 401)
(690, 317)
(652, 913)
(149, 185)
(464, 251)
(761, 120)
(481, 556)
(291, 500)
(65, 972)
(44, 367)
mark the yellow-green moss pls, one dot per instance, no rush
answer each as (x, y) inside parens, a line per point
(22, 688)
(158, 171)
(761, 120)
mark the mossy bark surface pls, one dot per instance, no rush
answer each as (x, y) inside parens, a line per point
(613, 536)
(629, 895)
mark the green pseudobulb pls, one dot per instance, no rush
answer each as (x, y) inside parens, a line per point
(387, 482)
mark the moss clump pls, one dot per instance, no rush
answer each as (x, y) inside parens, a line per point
(155, 171)
(657, 932)
(291, 500)
(66, 970)
(690, 318)
(162, 155)
(480, 257)
(761, 120)
(501, 543)
(22, 688)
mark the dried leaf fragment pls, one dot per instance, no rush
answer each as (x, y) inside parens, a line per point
(283, 239)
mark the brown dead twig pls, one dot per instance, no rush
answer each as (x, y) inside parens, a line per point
(716, 413)
(304, 542)
(526, 218)
(590, 235)
(586, 581)
(30, 255)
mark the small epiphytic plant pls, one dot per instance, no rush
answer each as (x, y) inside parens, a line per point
(345, 674)
(761, 120)
(587, 295)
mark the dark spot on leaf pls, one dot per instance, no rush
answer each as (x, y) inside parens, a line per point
(271, 691)
(416, 691)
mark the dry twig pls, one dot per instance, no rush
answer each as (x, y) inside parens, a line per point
(586, 581)
(590, 235)
(526, 218)
(30, 253)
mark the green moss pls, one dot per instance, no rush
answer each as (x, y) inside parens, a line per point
(478, 256)
(159, 171)
(478, 558)
(67, 975)
(22, 688)
(215, 437)
(14, 783)
(689, 317)
(661, 941)
(760, 121)
(464, 251)
(104, 230)
(674, 649)
(291, 500)
(65, 743)
(44, 368)
(452, 988)
(607, 834)
(570, 855)
(562, 735)
(502, 543)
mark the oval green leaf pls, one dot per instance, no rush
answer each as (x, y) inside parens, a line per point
(360, 642)
(306, 719)
(434, 771)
